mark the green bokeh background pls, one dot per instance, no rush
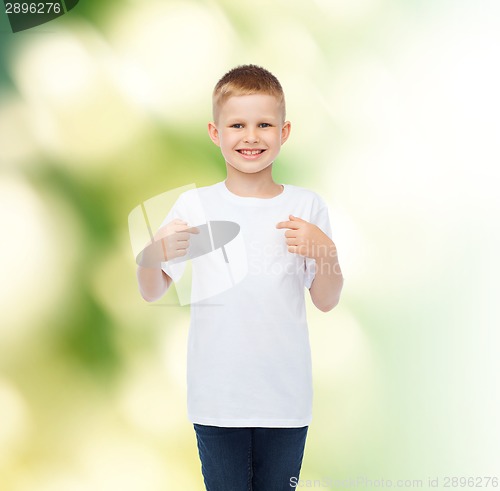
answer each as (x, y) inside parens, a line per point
(394, 110)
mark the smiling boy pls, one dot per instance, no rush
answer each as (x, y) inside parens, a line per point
(249, 363)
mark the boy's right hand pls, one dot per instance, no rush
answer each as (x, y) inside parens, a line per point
(171, 241)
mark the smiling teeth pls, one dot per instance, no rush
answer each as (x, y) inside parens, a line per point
(250, 152)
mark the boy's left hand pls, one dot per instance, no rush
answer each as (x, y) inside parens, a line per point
(306, 239)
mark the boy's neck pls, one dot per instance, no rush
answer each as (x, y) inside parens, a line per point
(258, 185)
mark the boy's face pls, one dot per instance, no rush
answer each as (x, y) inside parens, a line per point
(250, 131)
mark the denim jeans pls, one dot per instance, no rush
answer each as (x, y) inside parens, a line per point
(250, 459)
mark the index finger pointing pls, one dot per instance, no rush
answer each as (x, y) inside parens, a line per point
(191, 230)
(288, 224)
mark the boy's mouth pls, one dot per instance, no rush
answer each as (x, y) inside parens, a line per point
(250, 152)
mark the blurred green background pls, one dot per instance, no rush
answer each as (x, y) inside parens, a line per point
(394, 107)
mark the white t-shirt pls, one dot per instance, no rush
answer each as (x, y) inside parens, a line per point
(249, 361)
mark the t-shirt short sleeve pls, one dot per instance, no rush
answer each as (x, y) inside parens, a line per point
(322, 220)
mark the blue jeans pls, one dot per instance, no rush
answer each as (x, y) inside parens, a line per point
(250, 459)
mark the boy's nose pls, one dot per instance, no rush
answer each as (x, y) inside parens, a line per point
(251, 136)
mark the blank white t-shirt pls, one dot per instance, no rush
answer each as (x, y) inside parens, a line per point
(249, 360)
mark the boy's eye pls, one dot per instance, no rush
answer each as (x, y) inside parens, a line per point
(237, 125)
(264, 125)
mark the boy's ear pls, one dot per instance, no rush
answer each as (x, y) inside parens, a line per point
(213, 133)
(285, 131)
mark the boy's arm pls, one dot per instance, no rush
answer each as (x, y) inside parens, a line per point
(170, 242)
(328, 280)
(153, 283)
(310, 241)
